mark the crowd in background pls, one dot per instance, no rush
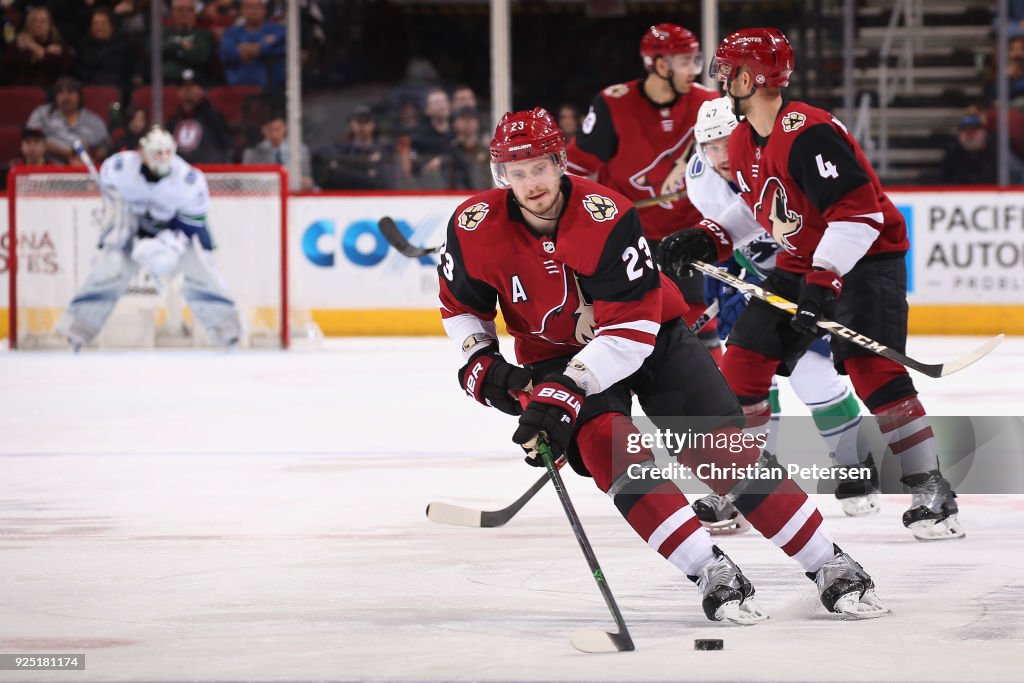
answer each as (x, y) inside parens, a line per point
(223, 67)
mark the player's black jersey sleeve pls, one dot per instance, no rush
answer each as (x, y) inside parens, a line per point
(473, 294)
(824, 166)
(597, 134)
(625, 270)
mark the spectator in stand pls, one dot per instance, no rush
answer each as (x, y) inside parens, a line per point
(273, 149)
(970, 159)
(185, 46)
(361, 162)
(33, 152)
(1015, 15)
(430, 150)
(38, 56)
(104, 57)
(200, 131)
(66, 120)
(471, 154)
(253, 52)
(569, 120)
(217, 16)
(463, 97)
(136, 125)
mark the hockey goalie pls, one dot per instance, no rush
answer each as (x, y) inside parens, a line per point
(155, 221)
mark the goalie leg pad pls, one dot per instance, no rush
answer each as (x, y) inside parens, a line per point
(88, 311)
(207, 297)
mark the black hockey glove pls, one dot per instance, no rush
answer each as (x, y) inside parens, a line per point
(489, 378)
(708, 242)
(553, 409)
(818, 292)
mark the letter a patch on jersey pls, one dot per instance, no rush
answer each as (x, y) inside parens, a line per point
(600, 208)
(471, 216)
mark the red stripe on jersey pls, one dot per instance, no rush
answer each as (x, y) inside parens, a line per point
(676, 538)
(654, 507)
(797, 543)
(777, 509)
(615, 312)
(854, 204)
(888, 424)
(917, 437)
(632, 335)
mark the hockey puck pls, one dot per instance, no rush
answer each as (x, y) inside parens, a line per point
(708, 644)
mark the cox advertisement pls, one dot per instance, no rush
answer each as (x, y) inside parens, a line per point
(351, 279)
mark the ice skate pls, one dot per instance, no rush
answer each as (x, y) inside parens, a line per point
(719, 516)
(728, 596)
(933, 510)
(846, 589)
(860, 497)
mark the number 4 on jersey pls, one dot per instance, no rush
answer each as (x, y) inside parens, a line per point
(826, 168)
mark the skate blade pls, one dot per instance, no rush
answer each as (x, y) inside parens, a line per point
(861, 506)
(727, 527)
(944, 530)
(746, 613)
(856, 606)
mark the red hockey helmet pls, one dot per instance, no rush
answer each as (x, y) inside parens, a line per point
(765, 51)
(667, 39)
(525, 135)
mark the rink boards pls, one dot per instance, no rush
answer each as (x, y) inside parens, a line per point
(965, 266)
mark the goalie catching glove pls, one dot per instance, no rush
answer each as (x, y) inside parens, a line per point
(818, 292)
(490, 379)
(553, 410)
(707, 242)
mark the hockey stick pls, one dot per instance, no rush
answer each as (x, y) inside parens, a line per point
(584, 640)
(395, 238)
(652, 201)
(457, 515)
(446, 513)
(936, 370)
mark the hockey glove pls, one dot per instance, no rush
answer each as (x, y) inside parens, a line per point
(818, 292)
(707, 242)
(553, 409)
(489, 378)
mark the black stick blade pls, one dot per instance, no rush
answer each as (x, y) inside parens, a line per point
(393, 234)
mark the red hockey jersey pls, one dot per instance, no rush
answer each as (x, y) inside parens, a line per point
(808, 179)
(640, 149)
(591, 289)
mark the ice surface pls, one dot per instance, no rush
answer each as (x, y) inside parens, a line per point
(259, 516)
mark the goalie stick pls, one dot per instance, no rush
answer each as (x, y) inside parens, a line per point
(394, 236)
(457, 515)
(840, 330)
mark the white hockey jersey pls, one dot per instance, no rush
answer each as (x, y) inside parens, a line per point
(715, 198)
(179, 200)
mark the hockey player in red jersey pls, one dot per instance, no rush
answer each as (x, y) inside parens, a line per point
(844, 242)
(595, 322)
(637, 137)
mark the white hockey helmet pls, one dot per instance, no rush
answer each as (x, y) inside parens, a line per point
(715, 119)
(158, 150)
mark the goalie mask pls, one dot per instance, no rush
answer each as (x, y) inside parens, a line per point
(158, 149)
(526, 135)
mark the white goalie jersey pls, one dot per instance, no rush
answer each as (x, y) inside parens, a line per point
(178, 200)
